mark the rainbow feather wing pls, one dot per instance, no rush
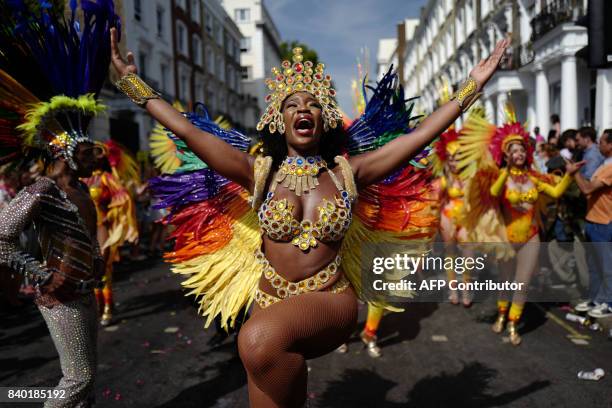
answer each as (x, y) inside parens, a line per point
(216, 230)
(401, 208)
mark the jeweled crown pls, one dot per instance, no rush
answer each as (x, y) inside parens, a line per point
(295, 77)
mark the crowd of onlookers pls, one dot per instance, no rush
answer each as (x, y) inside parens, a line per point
(583, 214)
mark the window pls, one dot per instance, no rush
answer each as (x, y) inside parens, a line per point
(137, 10)
(237, 50)
(219, 33)
(209, 23)
(210, 99)
(160, 21)
(195, 11)
(181, 4)
(242, 15)
(199, 92)
(247, 72)
(181, 40)
(196, 49)
(230, 77)
(142, 63)
(228, 44)
(245, 44)
(222, 106)
(163, 71)
(210, 60)
(221, 68)
(183, 89)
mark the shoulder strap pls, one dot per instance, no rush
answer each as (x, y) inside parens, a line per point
(262, 167)
(347, 174)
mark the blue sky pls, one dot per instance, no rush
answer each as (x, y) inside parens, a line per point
(339, 29)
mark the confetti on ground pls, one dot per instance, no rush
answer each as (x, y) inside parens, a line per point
(158, 351)
(171, 329)
(439, 338)
(111, 328)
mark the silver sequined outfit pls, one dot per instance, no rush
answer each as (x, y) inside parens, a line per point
(74, 329)
(67, 244)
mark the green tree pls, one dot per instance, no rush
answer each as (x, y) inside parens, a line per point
(286, 50)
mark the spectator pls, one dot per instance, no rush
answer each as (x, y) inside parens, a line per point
(556, 124)
(555, 163)
(586, 140)
(539, 139)
(598, 230)
(552, 138)
(567, 143)
(540, 158)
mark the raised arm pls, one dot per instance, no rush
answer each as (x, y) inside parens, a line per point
(373, 166)
(218, 155)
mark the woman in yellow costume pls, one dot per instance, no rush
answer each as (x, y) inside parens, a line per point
(452, 195)
(117, 224)
(499, 159)
(304, 223)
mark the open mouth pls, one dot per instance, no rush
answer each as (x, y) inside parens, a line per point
(304, 126)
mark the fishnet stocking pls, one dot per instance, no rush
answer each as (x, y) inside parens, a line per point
(275, 343)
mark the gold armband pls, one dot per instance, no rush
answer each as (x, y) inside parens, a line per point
(466, 94)
(136, 89)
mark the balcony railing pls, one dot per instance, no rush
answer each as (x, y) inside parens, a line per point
(555, 13)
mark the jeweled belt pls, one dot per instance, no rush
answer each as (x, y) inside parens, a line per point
(285, 288)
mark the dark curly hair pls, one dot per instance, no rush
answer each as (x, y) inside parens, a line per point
(332, 144)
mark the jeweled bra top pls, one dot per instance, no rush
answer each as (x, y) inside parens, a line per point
(334, 216)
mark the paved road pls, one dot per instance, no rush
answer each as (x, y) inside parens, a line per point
(434, 356)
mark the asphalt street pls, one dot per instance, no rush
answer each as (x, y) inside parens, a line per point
(435, 355)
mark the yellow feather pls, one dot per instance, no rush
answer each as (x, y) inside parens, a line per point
(40, 114)
(226, 280)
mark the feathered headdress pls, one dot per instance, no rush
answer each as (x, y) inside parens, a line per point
(483, 144)
(54, 63)
(124, 166)
(297, 76)
(446, 145)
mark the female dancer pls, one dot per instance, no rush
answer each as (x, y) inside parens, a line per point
(305, 307)
(501, 161)
(452, 190)
(116, 214)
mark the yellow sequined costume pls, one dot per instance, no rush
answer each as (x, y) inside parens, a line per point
(514, 195)
(116, 213)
